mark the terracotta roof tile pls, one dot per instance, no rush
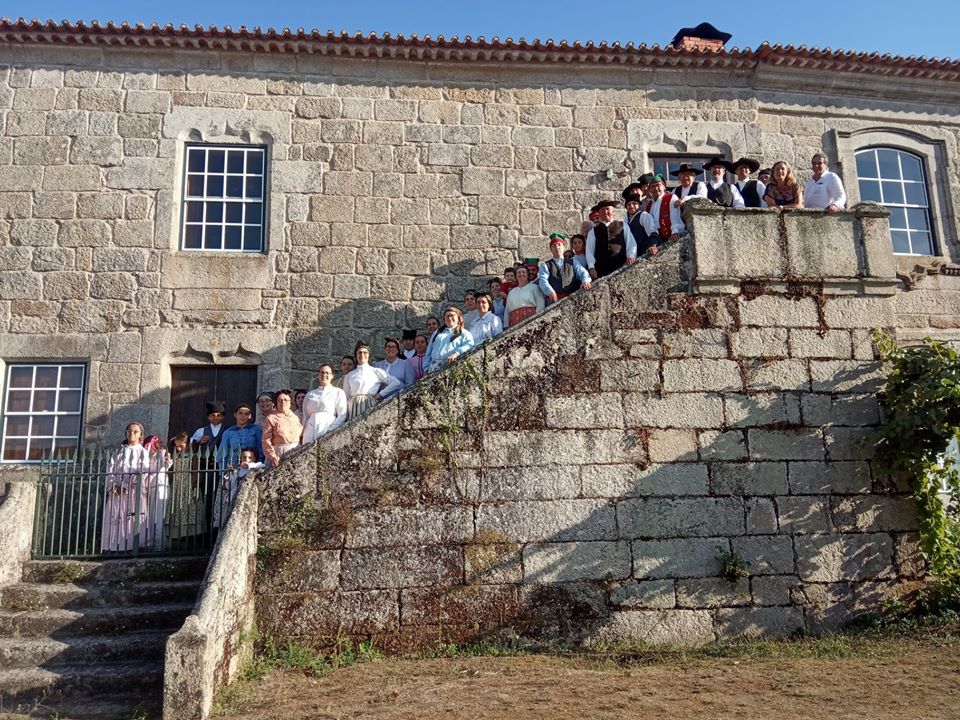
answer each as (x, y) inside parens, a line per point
(465, 49)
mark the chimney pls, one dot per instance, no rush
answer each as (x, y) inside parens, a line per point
(702, 37)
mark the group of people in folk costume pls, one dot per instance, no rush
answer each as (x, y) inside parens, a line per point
(286, 419)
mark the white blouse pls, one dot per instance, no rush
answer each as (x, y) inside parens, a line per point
(366, 380)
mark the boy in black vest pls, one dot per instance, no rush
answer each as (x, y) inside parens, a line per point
(559, 276)
(606, 250)
(750, 190)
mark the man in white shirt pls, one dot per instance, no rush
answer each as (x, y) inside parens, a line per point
(719, 191)
(824, 191)
(664, 210)
(750, 190)
(209, 436)
(409, 336)
(689, 185)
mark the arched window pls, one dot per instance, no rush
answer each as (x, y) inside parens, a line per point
(896, 179)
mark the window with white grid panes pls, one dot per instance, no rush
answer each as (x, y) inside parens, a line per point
(224, 198)
(666, 166)
(42, 410)
(896, 179)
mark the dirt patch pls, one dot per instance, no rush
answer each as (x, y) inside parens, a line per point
(891, 680)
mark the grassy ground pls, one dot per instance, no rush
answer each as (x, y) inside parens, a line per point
(886, 673)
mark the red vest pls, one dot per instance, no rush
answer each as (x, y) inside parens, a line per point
(665, 224)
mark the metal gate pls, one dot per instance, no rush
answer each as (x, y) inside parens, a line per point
(132, 502)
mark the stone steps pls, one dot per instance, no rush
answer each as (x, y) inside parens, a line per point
(38, 596)
(88, 621)
(23, 688)
(139, 569)
(83, 639)
(30, 652)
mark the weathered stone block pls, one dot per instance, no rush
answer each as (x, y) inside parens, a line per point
(806, 514)
(759, 622)
(533, 483)
(834, 558)
(675, 410)
(760, 342)
(702, 375)
(16, 285)
(563, 562)
(766, 554)
(679, 517)
(874, 513)
(718, 445)
(553, 521)
(659, 627)
(40, 150)
(777, 311)
(850, 443)
(623, 375)
(762, 374)
(584, 411)
(402, 526)
(833, 478)
(858, 312)
(754, 478)
(97, 151)
(773, 589)
(801, 444)
(400, 567)
(712, 593)
(635, 595)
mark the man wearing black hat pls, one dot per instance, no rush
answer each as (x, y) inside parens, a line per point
(644, 182)
(750, 190)
(689, 185)
(606, 250)
(208, 437)
(719, 191)
(409, 340)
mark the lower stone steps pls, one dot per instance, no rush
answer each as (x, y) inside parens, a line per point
(189, 567)
(38, 652)
(88, 621)
(38, 596)
(24, 689)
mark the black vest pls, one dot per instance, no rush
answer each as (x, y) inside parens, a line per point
(693, 190)
(644, 241)
(562, 281)
(603, 235)
(722, 195)
(214, 443)
(751, 198)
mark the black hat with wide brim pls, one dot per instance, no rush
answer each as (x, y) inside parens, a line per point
(754, 165)
(687, 168)
(725, 164)
(632, 190)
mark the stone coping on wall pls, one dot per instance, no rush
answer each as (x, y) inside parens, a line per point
(847, 251)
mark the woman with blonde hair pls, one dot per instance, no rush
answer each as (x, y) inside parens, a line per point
(450, 342)
(783, 191)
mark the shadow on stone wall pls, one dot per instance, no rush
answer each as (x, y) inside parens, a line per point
(584, 487)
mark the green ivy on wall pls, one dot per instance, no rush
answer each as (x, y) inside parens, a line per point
(921, 401)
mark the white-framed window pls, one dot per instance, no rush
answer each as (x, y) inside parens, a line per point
(896, 179)
(666, 165)
(224, 198)
(42, 410)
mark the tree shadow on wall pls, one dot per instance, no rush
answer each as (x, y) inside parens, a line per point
(516, 531)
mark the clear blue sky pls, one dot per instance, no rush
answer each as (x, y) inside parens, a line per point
(917, 28)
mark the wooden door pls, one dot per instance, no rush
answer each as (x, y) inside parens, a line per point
(193, 386)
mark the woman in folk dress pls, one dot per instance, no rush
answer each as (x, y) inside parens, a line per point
(126, 481)
(524, 301)
(367, 385)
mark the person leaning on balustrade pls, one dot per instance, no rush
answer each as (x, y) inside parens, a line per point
(452, 340)
(824, 191)
(783, 191)
(524, 301)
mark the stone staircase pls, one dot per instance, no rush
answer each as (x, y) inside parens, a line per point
(87, 639)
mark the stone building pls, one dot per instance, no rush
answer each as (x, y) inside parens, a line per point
(228, 209)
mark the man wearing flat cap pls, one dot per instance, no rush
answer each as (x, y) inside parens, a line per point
(719, 191)
(559, 276)
(605, 250)
(750, 190)
(689, 185)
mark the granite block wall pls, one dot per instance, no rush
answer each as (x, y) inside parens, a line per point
(580, 477)
(393, 186)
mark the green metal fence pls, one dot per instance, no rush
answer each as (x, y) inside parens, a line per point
(132, 502)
